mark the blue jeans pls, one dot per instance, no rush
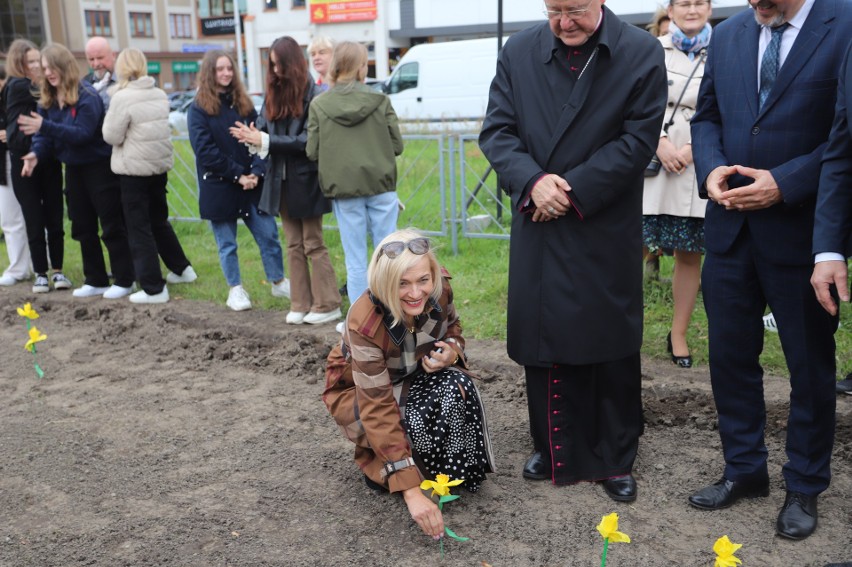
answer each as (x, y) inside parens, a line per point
(265, 231)
(354, 215)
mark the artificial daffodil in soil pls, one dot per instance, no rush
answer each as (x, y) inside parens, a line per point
(441, 486)
(724, 549)
(36, 336)
(29, 314)
(608, 528)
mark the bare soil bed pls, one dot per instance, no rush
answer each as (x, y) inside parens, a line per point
(190, 435)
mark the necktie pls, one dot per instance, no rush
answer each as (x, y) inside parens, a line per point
(769, 63)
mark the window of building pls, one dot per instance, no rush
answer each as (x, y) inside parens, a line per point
(98, 23)
(180, 25)
(214, 8)
(298, 3)
(141, 24)
(270, 4)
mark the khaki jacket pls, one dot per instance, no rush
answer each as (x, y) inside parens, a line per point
(353, 133)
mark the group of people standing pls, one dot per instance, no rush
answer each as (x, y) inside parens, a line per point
(111, 133)
(285, 161)
(113, 139)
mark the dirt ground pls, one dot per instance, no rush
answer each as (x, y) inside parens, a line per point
(190, 435)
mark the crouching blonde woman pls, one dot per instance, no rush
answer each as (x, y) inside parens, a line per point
(398, 385)
(137, 127)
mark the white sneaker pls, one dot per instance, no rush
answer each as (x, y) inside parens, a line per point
(295, 317)
(117, 292)
(238, 299)
(60, 281)
(319, 318)
(87, 290)
(340, 327)
(188, 276)
(769, 323)
(142, 296)
(6, 280)
(41, 285)
(281, 289)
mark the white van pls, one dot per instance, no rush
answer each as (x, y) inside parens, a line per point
(443, 82)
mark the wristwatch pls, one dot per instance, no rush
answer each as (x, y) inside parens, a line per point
(391, 467)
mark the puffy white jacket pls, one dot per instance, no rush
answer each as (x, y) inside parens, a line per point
(137, 127)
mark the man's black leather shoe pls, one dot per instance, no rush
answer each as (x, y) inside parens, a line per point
(621, 488)
(725, 492)
(537, 468)
(798, 517)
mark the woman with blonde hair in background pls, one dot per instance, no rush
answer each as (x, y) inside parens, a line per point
(291, 186)
(68, 126)
(354, 135)
(228, 175)
(40, 195)
(137, 126)
(320, 52)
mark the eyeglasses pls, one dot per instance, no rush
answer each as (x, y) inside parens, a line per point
(697, 4)
(573, 14)
(417, 246)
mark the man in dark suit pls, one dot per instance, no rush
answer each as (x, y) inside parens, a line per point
(833, 223)
(765, 111)
(574, 116)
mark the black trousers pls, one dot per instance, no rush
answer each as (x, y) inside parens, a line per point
(151, 237)
(586, 420)
(93, 195)
(40, 197)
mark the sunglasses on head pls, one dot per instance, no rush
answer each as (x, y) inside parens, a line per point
(417, 246)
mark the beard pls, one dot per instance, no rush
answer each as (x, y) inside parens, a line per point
(776, 21)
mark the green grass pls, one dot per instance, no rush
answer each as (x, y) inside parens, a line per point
(479, 270)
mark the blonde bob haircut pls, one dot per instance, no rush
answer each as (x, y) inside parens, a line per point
(348, 63)
(62, 62)
(130, 66)
(384, 273)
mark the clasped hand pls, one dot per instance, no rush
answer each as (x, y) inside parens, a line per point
(761, 194)
(442, 357)
(550, 196)
(246, 134)
(248, 182)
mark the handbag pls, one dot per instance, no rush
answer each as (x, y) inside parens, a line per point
(653, 167)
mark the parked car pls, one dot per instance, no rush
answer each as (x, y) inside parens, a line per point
(178, 98)
(177, 118)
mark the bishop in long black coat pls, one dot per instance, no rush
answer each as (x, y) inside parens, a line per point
(592, 114)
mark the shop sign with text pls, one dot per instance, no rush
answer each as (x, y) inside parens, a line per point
(334, 11)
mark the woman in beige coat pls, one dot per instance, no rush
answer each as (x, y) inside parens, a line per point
(137, 127)
(674, 214)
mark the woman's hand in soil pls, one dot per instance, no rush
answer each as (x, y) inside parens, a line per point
(424, 512)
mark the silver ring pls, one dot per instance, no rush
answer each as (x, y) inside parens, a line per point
(551, 210)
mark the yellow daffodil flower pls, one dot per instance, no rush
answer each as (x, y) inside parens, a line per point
(608, 528)
(36, 336)
(724, 550)
(28, 311)
(440, 486)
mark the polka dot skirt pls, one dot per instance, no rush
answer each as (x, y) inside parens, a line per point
(446, 428)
